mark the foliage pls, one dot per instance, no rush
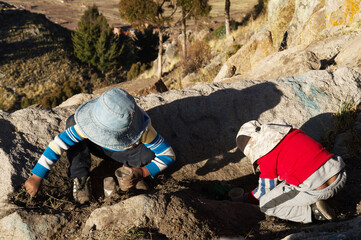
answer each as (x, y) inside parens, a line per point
(146, 45)
(142, 12)
(136, 69)
(344, 121)
(220, 32)
(107, 51)
(194, 8)
(191, 9)
(346, 115)
(60, 94)
(199, 55)
(94, 41)
(128, 53)
(233, 49)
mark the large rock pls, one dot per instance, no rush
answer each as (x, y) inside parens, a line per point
(300, 22)
(134, 211)
(200, 123)
(23, 137)
(280, 14)
(307, 23)
(40, 227)
(290, 62)
(342, 12)
(257, 48)
(349, 56)
(160, 212)
(349, 229)
(169, 58)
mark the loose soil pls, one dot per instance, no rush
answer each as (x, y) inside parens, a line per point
(55, 197)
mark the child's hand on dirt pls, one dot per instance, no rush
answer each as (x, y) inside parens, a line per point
(32, 185)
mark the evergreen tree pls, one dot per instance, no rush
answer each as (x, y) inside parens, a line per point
(94, 41)
(86, 36)
(146, 44)
(106, 50)
(141, 12)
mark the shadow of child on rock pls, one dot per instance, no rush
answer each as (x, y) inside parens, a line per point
(205, 127)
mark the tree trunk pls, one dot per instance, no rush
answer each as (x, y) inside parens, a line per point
(184, 37)
(160, 53)
(227, 17)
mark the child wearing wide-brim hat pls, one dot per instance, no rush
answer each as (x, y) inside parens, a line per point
(114, 127)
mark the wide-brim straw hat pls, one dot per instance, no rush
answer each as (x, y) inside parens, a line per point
(112, 120)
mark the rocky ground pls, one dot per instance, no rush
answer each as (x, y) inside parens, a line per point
(186, 202)
(56, 198)
(315, 88)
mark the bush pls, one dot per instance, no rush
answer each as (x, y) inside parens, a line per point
(136, 69)
(199, 54)
(25, 102)
(220, 32)
(234, 48)
(60, 94)
(344, 121)
(146, 43)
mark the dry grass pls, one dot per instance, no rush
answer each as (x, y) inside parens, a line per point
(243, 33)
(344, 122)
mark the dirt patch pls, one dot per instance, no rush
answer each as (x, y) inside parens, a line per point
(192, 202)
(67, 13)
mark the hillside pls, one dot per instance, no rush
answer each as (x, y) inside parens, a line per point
(296, 61)
(35, 58)
(68, 12)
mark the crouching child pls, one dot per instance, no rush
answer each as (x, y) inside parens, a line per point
(297, 174)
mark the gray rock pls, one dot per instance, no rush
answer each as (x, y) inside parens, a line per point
(200, 123)
(304, 10)
(225, 72)
(16, 227)
(349, 229)
(280, 14)
(133, 211)
(76, 100)
(290, 62)
(349, 56)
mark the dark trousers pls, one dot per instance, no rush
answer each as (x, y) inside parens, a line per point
(80, 161)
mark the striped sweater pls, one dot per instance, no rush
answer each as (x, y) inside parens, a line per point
(164, 154)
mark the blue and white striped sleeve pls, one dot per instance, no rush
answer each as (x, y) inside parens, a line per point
(164, 154)
(265, 185)
(56, 147)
